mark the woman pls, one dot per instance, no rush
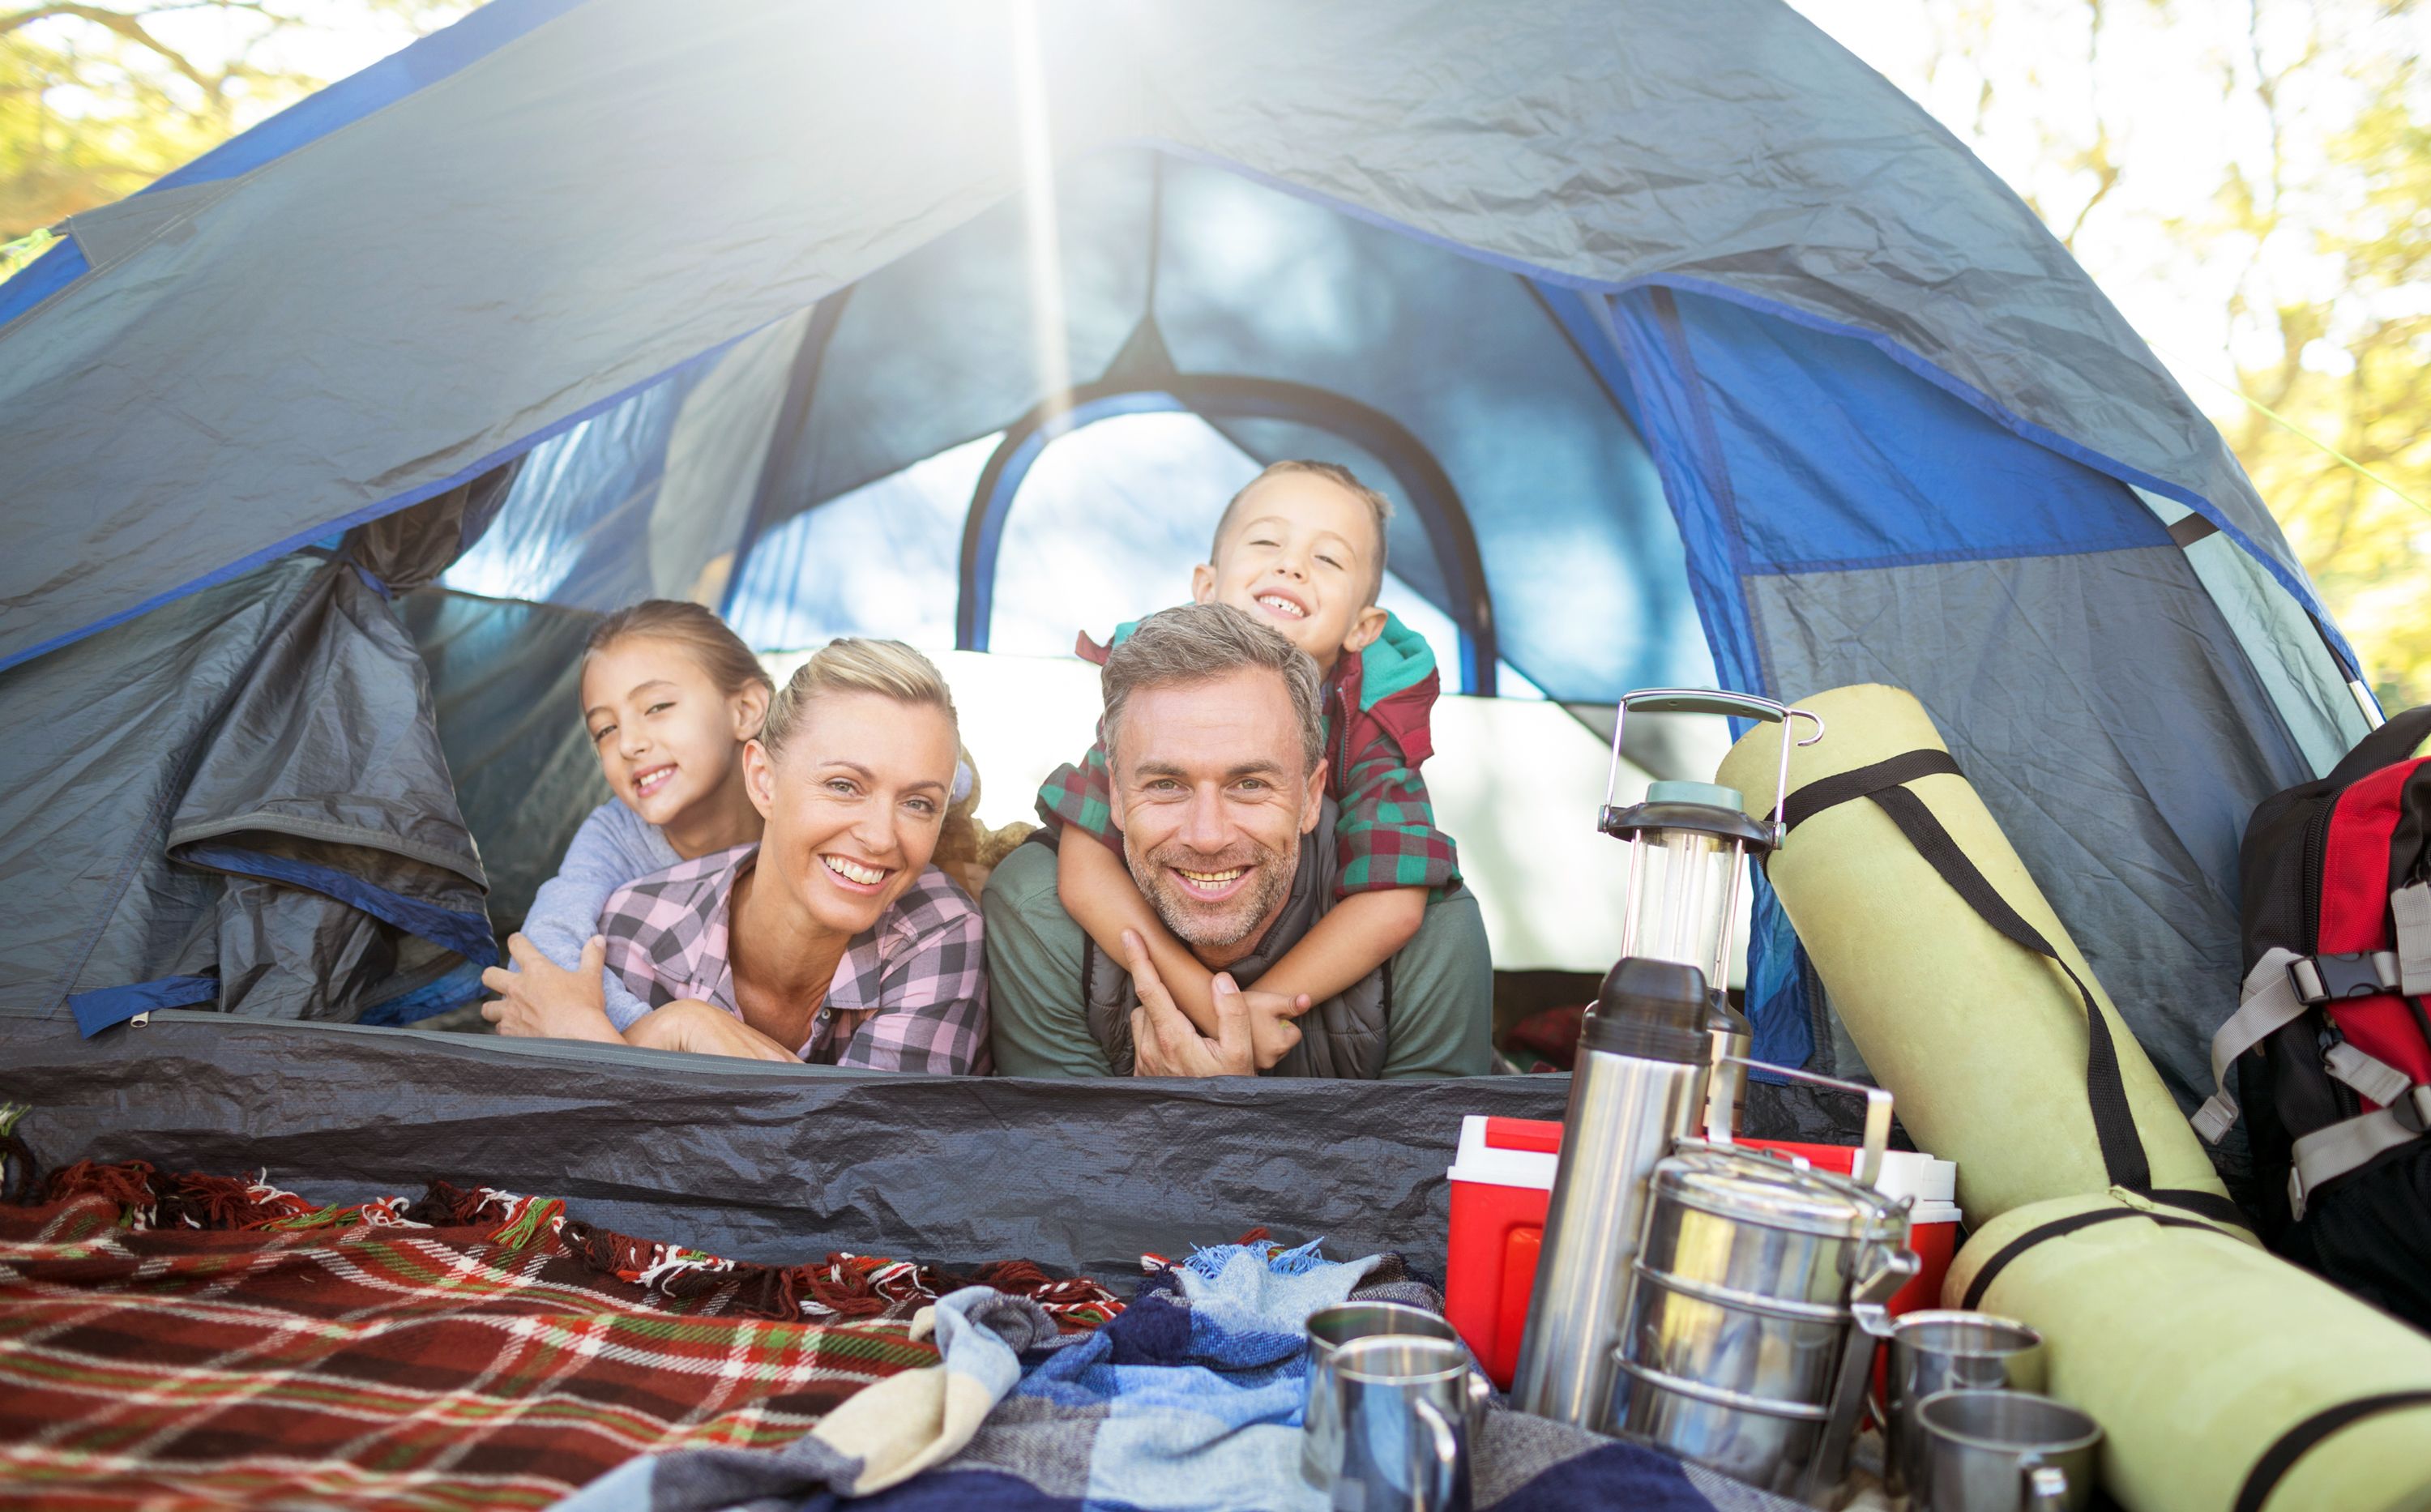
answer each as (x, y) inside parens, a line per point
(832, 938)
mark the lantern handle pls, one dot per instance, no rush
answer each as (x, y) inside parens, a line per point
(1715, 701)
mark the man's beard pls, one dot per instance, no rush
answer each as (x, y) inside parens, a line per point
(1217, 926)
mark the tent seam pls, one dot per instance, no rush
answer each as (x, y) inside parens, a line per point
(1708, 443)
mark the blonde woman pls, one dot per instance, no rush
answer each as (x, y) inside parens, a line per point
(833, 938)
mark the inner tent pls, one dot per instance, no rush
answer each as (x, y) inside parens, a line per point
(1026, 429)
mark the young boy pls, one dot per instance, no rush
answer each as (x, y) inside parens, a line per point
(1300, 548)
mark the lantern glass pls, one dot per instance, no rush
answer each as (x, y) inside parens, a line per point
(1681, 895)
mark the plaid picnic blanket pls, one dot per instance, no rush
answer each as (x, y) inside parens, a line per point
(1191, 1399)
(196, 1341)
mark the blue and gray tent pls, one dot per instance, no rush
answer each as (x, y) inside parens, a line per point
(1657, 318)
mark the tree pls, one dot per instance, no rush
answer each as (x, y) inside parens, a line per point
(99, 97)
(2270, 233)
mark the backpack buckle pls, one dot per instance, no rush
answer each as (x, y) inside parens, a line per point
(2331, 978)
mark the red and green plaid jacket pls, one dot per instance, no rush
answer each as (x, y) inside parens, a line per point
(1376, 708)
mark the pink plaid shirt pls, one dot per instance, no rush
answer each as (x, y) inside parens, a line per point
(919, 968)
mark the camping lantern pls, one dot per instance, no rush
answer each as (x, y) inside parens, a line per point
(1689, 844)
(1688, 841)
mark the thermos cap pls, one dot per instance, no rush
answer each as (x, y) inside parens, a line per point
(1721, 1018)
(1713, 793)
(1653, 1010)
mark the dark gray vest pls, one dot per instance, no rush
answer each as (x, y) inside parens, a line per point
(1341, 1037)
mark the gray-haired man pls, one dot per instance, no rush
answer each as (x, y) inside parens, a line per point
(1215, 749)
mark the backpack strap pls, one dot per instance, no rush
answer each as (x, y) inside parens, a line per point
(2327, 1153)
(2386, 746)
(2277, 991)
(2367, 1074)
(2410, 910)
(2268, 1003)
(2105, 1091)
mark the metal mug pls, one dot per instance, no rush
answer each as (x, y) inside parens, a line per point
(1949, 1350)
(2003, 1452)
(1398, 1437)
(1329, 1330)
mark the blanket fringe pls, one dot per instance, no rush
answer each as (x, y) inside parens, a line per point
(840, 1287)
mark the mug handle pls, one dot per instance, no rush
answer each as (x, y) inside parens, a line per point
(2046, 1487)
(1480, 1399)
(1444, 1480)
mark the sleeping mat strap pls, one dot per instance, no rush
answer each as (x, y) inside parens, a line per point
(2008, 1253)
(2281, 1456)
(2114, 1123)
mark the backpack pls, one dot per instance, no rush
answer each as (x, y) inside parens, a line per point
(2329, 1051)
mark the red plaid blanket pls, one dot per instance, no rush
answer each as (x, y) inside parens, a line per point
(188, 1342)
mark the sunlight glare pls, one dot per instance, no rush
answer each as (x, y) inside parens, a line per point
(1048, 332)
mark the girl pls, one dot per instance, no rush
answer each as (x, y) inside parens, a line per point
(832, 939)
(669, 695)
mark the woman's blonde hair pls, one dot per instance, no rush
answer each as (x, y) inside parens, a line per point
(892, 671)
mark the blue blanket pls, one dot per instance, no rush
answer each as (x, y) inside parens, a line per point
(1189, 1400)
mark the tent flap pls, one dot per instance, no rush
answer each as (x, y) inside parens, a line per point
(247, 789)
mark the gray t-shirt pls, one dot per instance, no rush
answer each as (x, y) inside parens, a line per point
(615, 846)
(1442, 983)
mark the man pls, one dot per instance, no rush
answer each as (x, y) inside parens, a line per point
(1216, 752)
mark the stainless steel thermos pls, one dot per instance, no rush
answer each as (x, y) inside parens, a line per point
(1640, 1082)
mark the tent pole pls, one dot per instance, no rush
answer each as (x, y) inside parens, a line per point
(1429, 488)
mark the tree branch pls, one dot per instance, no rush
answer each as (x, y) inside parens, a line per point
(122, 24)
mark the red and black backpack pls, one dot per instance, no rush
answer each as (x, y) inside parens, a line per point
(2329, 1052)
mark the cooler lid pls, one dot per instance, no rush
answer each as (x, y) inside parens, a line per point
(1507, 1152)
(1904, 1173)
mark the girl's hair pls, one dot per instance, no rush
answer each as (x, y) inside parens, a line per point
(729, 663)
(892, 671)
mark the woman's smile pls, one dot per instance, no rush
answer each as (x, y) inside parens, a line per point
(857, 877)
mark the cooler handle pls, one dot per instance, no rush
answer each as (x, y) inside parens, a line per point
(1878, 1112)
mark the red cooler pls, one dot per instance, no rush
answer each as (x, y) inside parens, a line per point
(1502, 1179)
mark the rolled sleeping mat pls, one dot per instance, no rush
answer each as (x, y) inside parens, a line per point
(1933, 947)
(2224, 1379)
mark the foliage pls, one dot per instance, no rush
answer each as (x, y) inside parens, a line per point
(99, 97)
(2266, 224)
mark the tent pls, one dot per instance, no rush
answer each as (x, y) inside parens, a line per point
(1690, 348)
